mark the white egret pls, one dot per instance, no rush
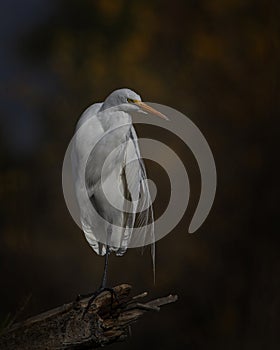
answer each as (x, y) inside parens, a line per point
(106, 127)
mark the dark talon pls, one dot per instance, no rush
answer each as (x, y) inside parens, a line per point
(98, 292)
(83, 296)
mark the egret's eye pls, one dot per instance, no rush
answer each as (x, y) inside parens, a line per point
(130, 100)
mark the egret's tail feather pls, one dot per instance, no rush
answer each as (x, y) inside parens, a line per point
(153, 252)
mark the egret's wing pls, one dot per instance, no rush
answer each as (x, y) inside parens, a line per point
(140, 209)
(145, 216)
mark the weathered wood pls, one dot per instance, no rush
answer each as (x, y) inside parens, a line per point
(67, 327)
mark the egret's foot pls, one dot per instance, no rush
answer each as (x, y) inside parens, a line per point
(98, 292)
(82, 296)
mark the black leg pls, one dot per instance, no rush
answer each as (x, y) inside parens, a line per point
(104, 278)
(103, 287)
(103, 281)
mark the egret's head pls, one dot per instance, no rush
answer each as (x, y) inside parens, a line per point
(129, 101)
(120, 97)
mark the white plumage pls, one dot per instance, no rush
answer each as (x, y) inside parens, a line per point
(102, 129)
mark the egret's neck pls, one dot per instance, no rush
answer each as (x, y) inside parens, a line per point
(112, 118)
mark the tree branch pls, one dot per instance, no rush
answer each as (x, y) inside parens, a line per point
(67, 327)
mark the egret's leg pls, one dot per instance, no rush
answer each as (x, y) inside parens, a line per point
(103, 287)
(104, 277)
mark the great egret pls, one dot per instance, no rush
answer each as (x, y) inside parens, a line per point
(103, 128)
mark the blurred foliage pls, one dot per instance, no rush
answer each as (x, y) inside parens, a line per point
(216, 61)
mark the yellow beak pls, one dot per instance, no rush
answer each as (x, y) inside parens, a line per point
(151, 110)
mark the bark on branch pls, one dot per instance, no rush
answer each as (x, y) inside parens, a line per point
(67, 327)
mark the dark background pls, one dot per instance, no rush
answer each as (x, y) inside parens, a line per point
(217, 62)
